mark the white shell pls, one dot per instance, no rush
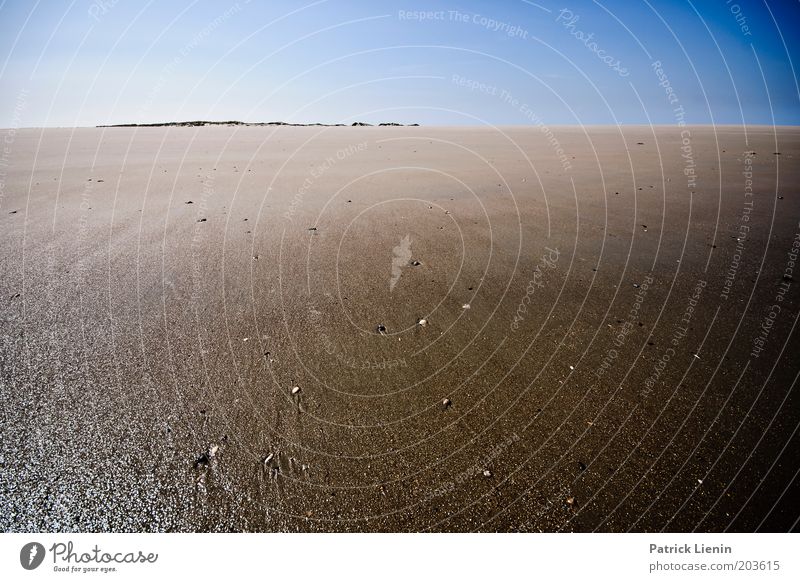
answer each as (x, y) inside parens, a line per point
(296, 389)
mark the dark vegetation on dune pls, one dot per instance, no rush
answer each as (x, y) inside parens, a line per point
(246, 124)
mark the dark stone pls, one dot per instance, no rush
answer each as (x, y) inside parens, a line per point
(202, 461)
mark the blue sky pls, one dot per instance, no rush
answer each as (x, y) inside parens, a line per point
(467, 62)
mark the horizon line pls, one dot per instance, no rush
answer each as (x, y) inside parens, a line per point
(237, 123)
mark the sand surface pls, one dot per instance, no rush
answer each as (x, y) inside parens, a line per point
(609, 341)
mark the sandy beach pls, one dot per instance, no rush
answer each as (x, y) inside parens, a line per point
(399, 329)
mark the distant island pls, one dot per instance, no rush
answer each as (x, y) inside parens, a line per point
(246, 124)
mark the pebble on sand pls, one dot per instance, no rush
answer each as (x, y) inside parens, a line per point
(296, 389)
(212, 451)
(465, 306)
(446, 403)
(422, 322)
(487, 473)
(202, 461)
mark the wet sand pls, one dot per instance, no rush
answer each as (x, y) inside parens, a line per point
(608, 344)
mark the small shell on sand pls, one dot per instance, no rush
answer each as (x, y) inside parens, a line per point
(465, 306)
(446, 403)
(212, 450)
(296, 389)
(422, 322)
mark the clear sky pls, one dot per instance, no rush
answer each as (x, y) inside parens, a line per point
(466, 62)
